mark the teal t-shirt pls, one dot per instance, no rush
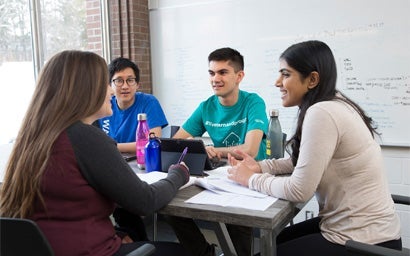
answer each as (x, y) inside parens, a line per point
(227, 126)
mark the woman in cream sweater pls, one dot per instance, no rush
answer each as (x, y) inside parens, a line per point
(333, 155)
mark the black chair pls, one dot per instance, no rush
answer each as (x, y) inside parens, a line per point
(399, 199)
(21, 237)
(169, 131)
(143, 250)
(355, 248)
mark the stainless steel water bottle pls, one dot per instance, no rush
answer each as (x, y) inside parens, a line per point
(274, 139)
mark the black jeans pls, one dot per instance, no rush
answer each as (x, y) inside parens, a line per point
(191, 237)
(130, 223)
(305, 238)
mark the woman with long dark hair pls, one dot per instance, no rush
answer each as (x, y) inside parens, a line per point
(333, 155)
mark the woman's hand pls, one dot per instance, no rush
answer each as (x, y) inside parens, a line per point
(181, 167)
(247, 160)
(242, 170)
(126, 240)
(240, 174)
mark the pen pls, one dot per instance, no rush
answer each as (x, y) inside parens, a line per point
(183, 155)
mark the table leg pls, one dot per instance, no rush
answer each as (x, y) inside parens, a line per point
(154, 225)
(224, 239)
(267, 242)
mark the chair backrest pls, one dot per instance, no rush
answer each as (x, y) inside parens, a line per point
(22, 237)
(143, 250)
(169, 131)
(355, 248)
(400, 199)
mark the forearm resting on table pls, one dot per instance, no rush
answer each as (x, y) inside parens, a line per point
(248, 150)
(182, 134)
(129, 147)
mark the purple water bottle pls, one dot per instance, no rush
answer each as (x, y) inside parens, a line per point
(153, 154)
(141, 138)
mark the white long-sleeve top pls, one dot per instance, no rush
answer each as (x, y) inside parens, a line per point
(341, 163)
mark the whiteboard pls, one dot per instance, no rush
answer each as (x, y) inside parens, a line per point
(369, 38)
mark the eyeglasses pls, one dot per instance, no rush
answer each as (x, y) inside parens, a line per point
(118, 82)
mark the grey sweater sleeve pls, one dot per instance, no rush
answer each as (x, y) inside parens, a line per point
(107, 172)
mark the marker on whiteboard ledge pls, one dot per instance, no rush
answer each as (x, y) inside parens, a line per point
(181, 158)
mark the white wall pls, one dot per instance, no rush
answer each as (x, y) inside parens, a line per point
(397, 162)
(369, 40)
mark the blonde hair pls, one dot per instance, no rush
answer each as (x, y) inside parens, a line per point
(71, 86)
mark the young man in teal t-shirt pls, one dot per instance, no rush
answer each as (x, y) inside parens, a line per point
(228, 126)
(234, 119)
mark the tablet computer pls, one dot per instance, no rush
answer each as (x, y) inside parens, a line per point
(196, 158)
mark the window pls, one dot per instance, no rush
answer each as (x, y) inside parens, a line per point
(58, 25)
(16, 66)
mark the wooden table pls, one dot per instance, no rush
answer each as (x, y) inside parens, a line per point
(270, 222)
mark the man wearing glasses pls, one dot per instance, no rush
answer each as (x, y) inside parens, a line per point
(127, 103)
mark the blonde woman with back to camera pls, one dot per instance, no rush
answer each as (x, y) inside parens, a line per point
(67, 175)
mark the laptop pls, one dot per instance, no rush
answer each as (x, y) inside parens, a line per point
(196, 158)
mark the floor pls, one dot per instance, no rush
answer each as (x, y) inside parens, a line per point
(165, 233)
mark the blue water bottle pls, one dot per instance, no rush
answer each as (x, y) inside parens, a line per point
(153, 154)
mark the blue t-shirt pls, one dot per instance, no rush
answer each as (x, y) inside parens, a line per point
(227, 126)
(121, 126)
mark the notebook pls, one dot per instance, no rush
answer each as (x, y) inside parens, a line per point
(196, 158)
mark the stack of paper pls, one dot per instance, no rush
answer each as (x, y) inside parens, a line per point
(232, 200)
(224, 192)
(219, 190)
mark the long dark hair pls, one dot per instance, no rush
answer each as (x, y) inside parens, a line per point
(305, 58)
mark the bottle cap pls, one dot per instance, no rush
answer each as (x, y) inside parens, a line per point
(142, 116)
(274, 112)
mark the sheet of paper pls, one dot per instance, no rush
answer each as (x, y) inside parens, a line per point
(232, 200)
(151, 177)
(203, 182)
(224, 184)
(217, 180)
(224, 192)
(219, 172)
